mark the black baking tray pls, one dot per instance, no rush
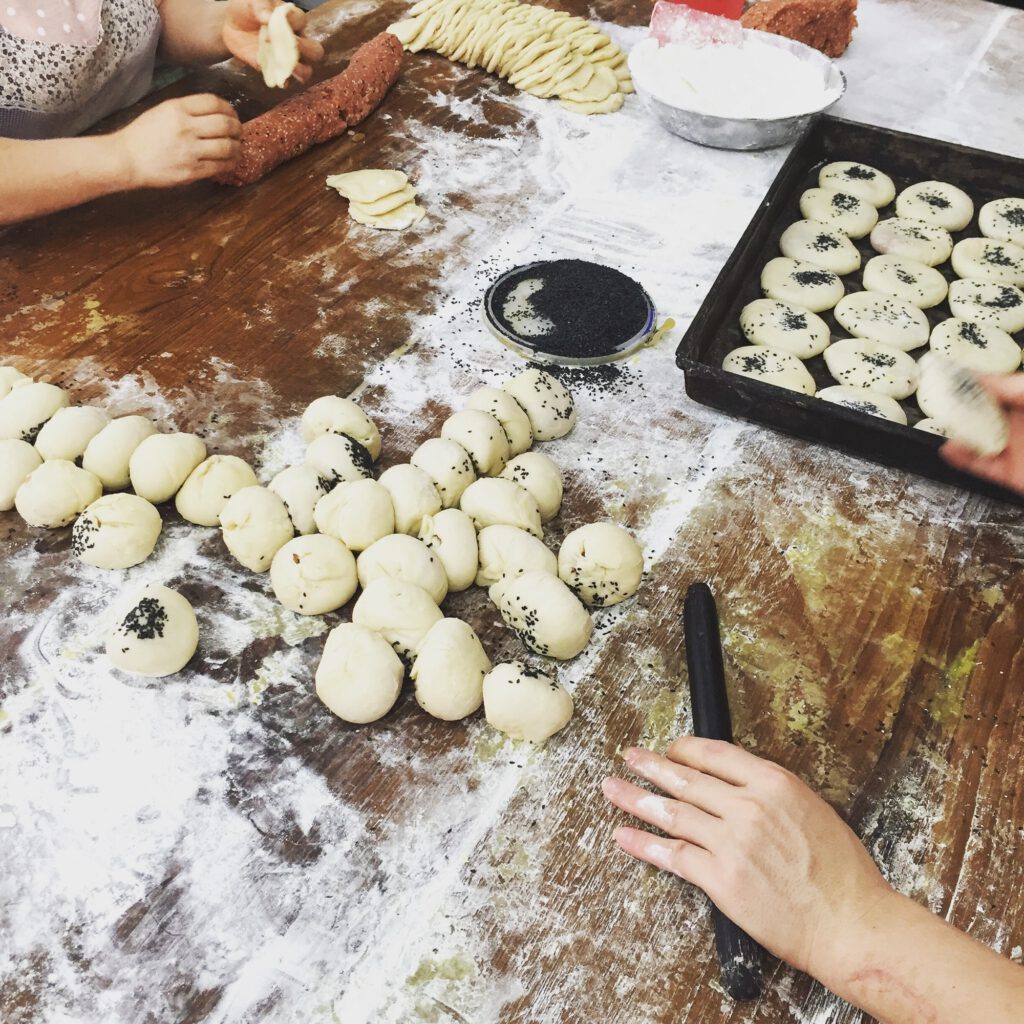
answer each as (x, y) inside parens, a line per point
(715, 330)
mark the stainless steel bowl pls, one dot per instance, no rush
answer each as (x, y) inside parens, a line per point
(743, 132)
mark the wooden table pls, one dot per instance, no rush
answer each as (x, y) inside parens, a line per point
(216, 847)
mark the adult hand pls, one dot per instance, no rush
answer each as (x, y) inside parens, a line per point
(180, 141)
(1007, 468)
(241, 34)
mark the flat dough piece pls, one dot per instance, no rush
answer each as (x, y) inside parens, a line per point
(864, 400)
(367, 186)
(608, 106)
(983, 348)
(600, 87)
(396, 220)
(925, 243)
(277, 50)
(988, 302)
(984, 259)
(784, 327)
(904, 278)
(1003, 219)
(387, 203)
(765, 364)
(801, 284)
(843, 210)
(815, 242)
(862, 180)
(859, 363)
(951, 395)
(885, 319)
(937, 203)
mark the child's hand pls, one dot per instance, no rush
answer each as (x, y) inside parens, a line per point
(180, 141)
(241, 34)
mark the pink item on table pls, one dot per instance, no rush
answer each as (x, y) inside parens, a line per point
(684, 23)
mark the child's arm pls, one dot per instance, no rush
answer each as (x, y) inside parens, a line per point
(177, 142)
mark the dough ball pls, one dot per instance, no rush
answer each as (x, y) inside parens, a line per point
(983, 348)
(68, 431)
(413, 496)
(25, 409)
(524, 703)
(782, 369)
(882, 318)
(357, 513)
(864, 400)
(988, 302)
(314, 574)
(537, 474)
(451, 536)
(546, 614)
(937, 203)
(862, 180)
(156, 636)
(338, 458)
(508, 412)
(449, 671)
(10, 378)
(815, 242)
(548, 404)
(17, 459)
(1003, 219)
(116, 531)
(859, 363)
(497, 501)
(951, 395)
(930, 426)
(841, 210)
(784, 328)
(206, 490)
(601, 563)
(925, 243)
(404, 558)
(332, 414)
(982, 259)
(255, 525)
(162, 463)
(801, 284)
(483, 438)
(359, 676)
(108, 453)
(448, 465)
(507, 551)
(55, 492)
(905, 279)
(300, 488)
(401, 612)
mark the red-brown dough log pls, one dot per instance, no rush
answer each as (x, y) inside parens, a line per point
(320, 113)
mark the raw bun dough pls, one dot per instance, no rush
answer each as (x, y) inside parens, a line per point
(820, 244)
(378, 198)
(157, 634)
(906, 279)
(403, 217)
(507, 551)
(860, 363)
(413, 496)
(1003, 219)
(357, 513)
(508, 412)
(359, 676)
(930, 426)
(10, 378)
(300, 488)
(882, 318)
(842, 210)
(482, 437)
(24, 411)
(495, 501)
(449, 671)
(338, 458)
(401, 557)
(206, 490)
(860, 180)
(277, 53)
(401, 612)
(67, 433)
(448, 465)
(547, 403)
(983, 348)
(255, 525)
(55, 492)
(980, 259)
(524, 703)
(108, 453)
(547, 615)
(784, 328)
(313, 575)
(367, 186)
(17, 459)
(601, 563)
(332, 414)
(782, 369)
(801, 284)
(116, 531)
(936, 202)
(988, 302)
(926, 243)
(537, 474)
(951, 395)
(451, 536)
(864, 400)
(162, 463)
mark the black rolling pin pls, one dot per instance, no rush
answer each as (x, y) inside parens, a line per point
(739, 956)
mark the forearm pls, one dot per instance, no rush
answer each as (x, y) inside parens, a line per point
(193, 31)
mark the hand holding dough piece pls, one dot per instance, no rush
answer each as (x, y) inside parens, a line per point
(379, 198)
(278, 48)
